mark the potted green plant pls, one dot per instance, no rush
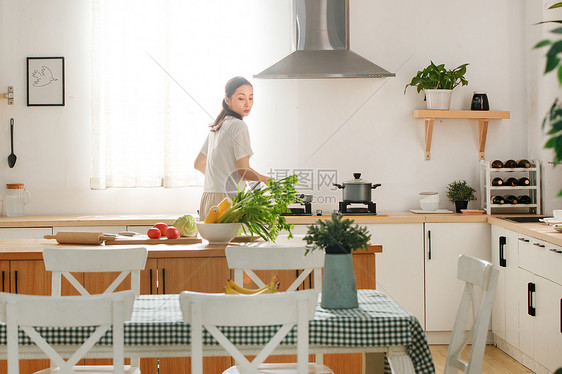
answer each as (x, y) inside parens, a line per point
(438, 82)
(337, 237)
(460, 193)
(554, 116)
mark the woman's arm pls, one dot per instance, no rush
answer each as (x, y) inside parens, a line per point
(200, 163)
(247, 173)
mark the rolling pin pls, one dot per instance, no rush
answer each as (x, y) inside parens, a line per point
(79, 237)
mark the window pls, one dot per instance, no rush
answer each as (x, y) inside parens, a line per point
(159, 69)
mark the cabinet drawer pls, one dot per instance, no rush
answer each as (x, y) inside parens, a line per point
(25, 232)
(532, 255)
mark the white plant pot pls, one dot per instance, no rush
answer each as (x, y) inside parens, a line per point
(438, 99)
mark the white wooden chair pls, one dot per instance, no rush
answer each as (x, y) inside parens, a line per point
(63, 261)
(283, 308)
(474, 272)
(247, 259)
(102, 311)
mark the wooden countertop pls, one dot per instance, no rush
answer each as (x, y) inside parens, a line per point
(31, 249)
(150, 219)
(540, 231)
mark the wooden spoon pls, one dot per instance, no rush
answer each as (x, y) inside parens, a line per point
(12, 157)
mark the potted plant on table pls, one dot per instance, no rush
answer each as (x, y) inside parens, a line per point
(438, 82)
(337, 237)
(460, 193)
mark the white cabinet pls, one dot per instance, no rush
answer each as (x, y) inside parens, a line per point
(505, 257)
(444, 243)
(399, 268)
(540, 301)
(24, 232)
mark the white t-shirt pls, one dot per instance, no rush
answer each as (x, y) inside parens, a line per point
(223, 148)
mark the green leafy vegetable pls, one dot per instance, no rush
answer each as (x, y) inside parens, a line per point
(186, 225)
(259, 209)
(336, 236)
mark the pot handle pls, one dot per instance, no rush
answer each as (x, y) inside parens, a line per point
(375, 186)
(338, 185)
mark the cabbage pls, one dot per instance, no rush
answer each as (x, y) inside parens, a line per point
(186, 225)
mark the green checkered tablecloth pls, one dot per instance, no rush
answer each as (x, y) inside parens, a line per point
(379, 321)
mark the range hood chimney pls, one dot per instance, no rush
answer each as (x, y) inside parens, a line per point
(322, 38)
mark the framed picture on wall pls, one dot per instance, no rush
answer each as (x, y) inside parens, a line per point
(45, 81)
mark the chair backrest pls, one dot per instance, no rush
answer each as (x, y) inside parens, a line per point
(284, 308)
(63, 261)
(474, 272)
(247, 259)
(102, 311)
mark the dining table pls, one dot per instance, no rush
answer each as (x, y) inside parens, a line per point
(157, 329)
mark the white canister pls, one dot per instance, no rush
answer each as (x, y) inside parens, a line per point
(16, 198)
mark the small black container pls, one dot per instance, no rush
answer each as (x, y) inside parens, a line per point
(479, 101)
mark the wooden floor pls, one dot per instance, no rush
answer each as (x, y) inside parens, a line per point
(495, 360)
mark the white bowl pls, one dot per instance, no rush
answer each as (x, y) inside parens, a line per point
(429, 201)
(218, 233)
(557, 213)
(429, 205)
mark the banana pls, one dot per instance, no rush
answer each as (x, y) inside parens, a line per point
(233, 288)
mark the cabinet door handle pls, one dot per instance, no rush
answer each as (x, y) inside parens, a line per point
(503, 241)
(150, 280)
(524, 240)
(3, 281)
(16, 280)
(530, 290)
(539, 245)
(429, 244)
(163, 281)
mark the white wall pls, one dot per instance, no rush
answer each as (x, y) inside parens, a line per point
(352, 125)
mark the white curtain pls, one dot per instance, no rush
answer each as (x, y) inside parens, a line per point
(159, 69)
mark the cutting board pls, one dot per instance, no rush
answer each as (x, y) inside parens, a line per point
(143, 239)
(97, 238)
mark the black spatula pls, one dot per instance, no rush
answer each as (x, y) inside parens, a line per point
(12, 157)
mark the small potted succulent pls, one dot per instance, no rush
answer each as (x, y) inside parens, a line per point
(337, 237)
(437, 83)
(460, 193)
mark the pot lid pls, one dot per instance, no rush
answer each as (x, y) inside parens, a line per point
(357, 180)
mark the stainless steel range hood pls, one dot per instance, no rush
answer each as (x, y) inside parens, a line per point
(322, 46)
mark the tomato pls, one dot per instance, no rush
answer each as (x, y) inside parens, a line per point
(154, 233)
(172, 233)
(162, 227)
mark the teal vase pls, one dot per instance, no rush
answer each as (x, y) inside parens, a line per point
(338, 282)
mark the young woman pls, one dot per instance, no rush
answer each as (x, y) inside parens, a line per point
(225, 155)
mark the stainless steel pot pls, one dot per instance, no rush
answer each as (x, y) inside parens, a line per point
(357, 190)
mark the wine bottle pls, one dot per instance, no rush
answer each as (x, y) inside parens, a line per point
(497, 182)
(511, 199)
(497, 164)
(524, 199)
(523, 164)
(498, 200)
(510, 164)
(511, 182)
(524, 182)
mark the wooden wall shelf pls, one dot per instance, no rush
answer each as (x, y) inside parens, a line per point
(483, 116)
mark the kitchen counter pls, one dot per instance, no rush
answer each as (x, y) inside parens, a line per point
(150, 219)
(539, 230)
(31, 249)
(536, 230)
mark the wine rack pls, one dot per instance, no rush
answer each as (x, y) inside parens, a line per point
(533, 190)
